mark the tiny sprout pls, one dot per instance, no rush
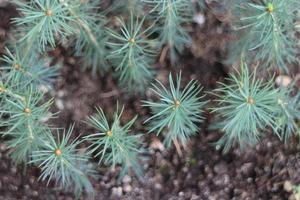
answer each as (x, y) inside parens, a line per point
(57, 152)
(250, 101)
(177, 104)
(2, 89)
(131, 40)
(17, 66)
(27, 110)
(270, 7)
(109, 133)
(48, 13)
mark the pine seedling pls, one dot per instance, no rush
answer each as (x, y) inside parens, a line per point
(178, 111)
(289, 114)
(63, 162)
(69, 21)
(25, 108)
(22, 106)
(113, 144)
(22, 114)
(41, 21)
(246, 105)
(93, 54)
(132, 54)
(90, 40)
(28, 70)
(268, 32)
(25, 139)
(171, 15)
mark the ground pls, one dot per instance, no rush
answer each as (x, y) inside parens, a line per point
(267, 171)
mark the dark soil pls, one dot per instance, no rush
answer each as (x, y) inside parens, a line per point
(202, 173)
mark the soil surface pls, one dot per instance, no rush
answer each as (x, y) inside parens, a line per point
(264, 172)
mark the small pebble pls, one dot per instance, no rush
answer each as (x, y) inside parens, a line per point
(288, 186)
(117, 191)
(283, 80)
(127, 188)
(59, 104)
(126, 179)
(199, 18)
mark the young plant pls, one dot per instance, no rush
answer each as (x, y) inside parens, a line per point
(268, 32)
(90, 39)
(178, 111)
(22, 106)
(62, 162)
(289, 114)
(246, 105)
(171, 15)
(21, 119)
(113, 144)
(132, 54)
(44, 22)
(30, 69)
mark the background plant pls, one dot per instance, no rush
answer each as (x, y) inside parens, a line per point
(45, 22)
(289, 113)
(171, 15)
(267, 31)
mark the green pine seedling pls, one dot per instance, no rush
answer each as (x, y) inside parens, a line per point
(22, 121)
(22, 106)
(42, 21)
(178, 110)
(113, 144)
(64, 163)
(90, 39)
(132, 54)
(245, 106)
(171, 15)
(289, 114)
(28, 70)
(268, 32)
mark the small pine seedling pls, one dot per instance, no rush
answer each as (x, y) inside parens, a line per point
(178, 111)
(90, 40)
(28, 70)
(245, 106)
(132, 54)
(78, 22)
(42, 21)
(64, 163)
(268, 32)
(113, 144)
(22, 106)
(170, 16)
(22, 116)
(289, 114)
